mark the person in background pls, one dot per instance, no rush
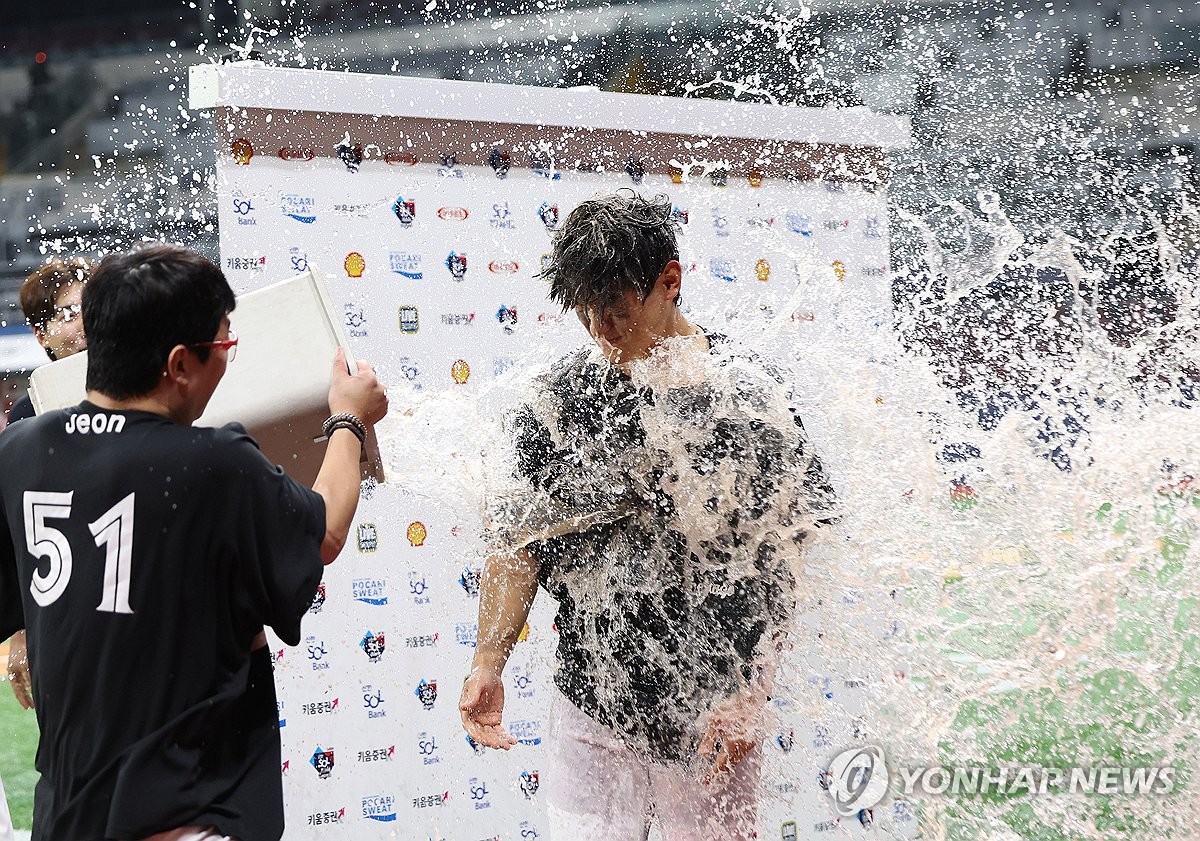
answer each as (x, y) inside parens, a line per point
(51, 299)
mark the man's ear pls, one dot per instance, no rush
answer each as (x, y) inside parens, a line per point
(670, 280)
(180, 363)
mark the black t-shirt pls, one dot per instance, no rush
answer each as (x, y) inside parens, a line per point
(668, 524)
(143, 558)
(21, 410)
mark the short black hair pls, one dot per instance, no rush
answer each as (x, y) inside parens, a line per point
(610, 245)
(140, 304)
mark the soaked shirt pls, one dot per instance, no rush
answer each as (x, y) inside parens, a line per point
(668, 515)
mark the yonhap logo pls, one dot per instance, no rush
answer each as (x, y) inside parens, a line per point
(858, 779)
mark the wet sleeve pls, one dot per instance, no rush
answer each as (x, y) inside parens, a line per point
(820, 499)
(280, 527)
(12, 614)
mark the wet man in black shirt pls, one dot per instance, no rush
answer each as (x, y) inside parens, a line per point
(662, 489)
(144, 556)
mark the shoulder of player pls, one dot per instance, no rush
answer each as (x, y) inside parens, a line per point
(747, 360)
(20, 434)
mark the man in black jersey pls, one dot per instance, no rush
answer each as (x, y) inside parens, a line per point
(144, 556)
(663, 485)
(50, 298)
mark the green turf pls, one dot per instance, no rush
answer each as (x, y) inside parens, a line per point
(18, 743)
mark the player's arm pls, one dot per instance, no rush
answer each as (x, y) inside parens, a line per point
(362, 395)
(506, 594)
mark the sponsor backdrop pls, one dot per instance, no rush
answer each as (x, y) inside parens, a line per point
(434, 265)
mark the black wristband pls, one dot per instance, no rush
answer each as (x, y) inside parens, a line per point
(362, 439)
(345, 417)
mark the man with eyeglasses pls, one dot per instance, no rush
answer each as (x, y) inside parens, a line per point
(144, 556)
(50, 299)
(662, 490)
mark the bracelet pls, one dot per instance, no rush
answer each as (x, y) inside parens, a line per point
(362, 439)
(345, 417)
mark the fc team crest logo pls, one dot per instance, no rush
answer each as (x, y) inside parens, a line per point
(426, 693)
(457, 264)
(405, 210)
(469, 580)
(529, 784)
(322, 762)
(507, 316)
(373, 646)
(548, 213)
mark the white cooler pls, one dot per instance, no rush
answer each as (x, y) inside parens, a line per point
(278, 385)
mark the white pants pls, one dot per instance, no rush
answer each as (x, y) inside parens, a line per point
(6, 827)
(189, 833)
(598, 789)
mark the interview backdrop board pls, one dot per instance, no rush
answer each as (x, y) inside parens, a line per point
(430, 206)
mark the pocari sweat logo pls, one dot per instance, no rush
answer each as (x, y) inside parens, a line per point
(406, 264)
(858, 779)
(370, 590)
(526, 732)
(800, 224)
(722, 269)
(301, 208)
(379, 807)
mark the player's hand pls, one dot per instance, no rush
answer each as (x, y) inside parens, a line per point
(731, 731)
(361, 394)
(18, 670)
(482, 709)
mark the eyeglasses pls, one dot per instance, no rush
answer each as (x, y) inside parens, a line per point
(230, 344)
(68, 313)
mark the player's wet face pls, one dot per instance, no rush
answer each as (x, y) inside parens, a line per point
(629, 330)
(63, 334)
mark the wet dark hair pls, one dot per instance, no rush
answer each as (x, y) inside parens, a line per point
(41, 290)
(139, 305)
(610, 245)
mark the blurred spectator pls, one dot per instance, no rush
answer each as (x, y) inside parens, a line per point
(51, 300)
